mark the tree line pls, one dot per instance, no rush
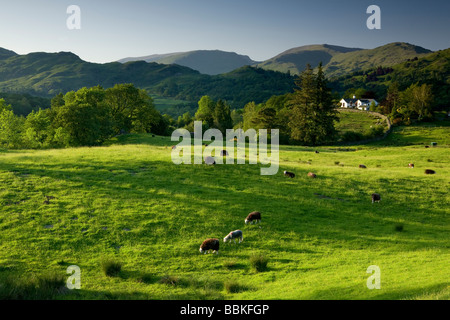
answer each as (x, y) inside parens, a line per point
(307, 116)
(86, 117)
(415, 103)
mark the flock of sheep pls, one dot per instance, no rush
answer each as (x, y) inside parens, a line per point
(213, 244)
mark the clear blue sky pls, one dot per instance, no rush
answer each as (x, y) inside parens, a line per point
(116, 29)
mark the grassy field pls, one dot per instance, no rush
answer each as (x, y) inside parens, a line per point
(128, 202)
(360, 122)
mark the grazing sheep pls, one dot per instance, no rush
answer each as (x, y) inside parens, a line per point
(362, 166)
(289, 174)
(376, 197)
(210, 161)
(317, 151)
(411, 165)
(233, 235)
(429, 171)
(253, 217)
(312, 175)
(223, 153)
(210, 244)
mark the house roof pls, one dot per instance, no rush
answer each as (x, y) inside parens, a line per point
(350, 100)
(367, 100)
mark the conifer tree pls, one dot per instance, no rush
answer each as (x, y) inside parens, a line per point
(312, 111)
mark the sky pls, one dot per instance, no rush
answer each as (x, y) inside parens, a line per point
(112, 30)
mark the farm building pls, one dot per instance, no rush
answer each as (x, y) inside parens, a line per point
(361, 104)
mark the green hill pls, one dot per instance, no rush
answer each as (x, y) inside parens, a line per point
(47, 74)
(4, 54)
(238, 87)
(432, 68)
(386, 56)
(340, 61)
(296, 59)
(210, 62)
(51, 73)
(129, 203)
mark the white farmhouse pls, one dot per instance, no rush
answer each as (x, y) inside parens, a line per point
(364, 104)
(361, 104)
(348, 103)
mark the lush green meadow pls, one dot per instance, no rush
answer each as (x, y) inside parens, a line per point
(129, 202)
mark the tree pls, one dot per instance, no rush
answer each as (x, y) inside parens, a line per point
(416, 103)
(132, 109)
(422, 100)
(392, 98)
(184, 120)
(222, 117)
(312, 111)
(85, 118)
(38, 132)
(249, 116)
(11, 127)
(205, 112)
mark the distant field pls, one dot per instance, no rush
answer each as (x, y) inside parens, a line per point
(163, 103)
(127, 201)
(356, 121)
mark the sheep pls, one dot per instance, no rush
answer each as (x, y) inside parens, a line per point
(362, 166)
(312, 175)
(233, 235)
(210, 244)
(289, 174)
(253, 217)
(210, 161)
(317, 151)
(376, 197)
(429, 171)
(411, 165)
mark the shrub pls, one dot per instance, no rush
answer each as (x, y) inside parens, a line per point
(351, 136)
(111, 267)
(146, 278)
(259, 262)
(170, 280)
(232, 286)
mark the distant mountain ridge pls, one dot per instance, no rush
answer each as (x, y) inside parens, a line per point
(385, 56)
(4, 54)
(337, 60)
(47, 74)
(211, 62)
(295, 60)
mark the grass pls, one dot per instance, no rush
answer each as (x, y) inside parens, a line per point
(356, 126)
(128, 201)
(111, 267)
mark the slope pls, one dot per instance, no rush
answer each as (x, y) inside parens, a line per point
(295, 60)
(211, 62)
(386, 56)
